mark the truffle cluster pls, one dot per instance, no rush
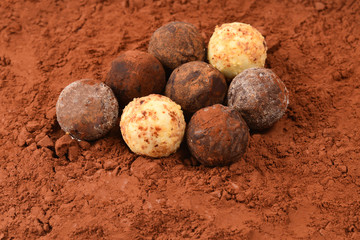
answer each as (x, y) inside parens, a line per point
(154, 125)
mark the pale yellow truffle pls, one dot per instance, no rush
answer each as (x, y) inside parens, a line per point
(153, 126)
(234, 47)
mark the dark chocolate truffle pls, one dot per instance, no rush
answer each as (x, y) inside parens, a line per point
(260, 96)
(87, 109)
(177, 43)
(217, 135)
(195, 85)
(135, 74)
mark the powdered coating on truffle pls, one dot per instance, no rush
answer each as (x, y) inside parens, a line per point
(153, 126)
(195, 85)
(234, 47)
(177, 43)
(87, 109)
(217, 135)
(260, 96)
(135, 74)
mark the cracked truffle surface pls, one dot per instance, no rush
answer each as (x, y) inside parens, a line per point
(177, 43)
(195, 85)
(87, 109)
(153, 126)
(260, 96)
(217, 135)
(234, 47)
(135, 74)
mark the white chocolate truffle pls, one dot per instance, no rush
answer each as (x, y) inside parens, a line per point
(153, 126)
(234, 47)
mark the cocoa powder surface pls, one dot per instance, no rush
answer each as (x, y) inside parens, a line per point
(298, 180)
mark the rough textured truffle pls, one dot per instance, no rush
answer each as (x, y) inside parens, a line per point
(234, 47)
(135, 74)
(153, 126)
(87, 109)
(195, 85)
(217, 135)
(177, 43)
(260, 96)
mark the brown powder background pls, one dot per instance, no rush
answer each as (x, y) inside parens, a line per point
(298, 180)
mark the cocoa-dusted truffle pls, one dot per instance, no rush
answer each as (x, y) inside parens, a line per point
(217, 135)
(135, 74)
(177, 43)
(195, 85)
(87, 109)
(260, 96)
(153, 125)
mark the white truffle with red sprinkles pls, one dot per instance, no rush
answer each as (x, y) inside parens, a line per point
(234, 47)
(153, 126)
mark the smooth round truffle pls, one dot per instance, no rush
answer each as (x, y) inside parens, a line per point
(87, 109)
(234, 47)
(177, 43)
(135, 74)
(217, 135)
(260, 96)
(153, 126)
(195, 85)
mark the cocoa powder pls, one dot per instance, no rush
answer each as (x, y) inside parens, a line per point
(298, 180)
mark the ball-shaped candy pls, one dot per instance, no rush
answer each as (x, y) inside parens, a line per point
(135, 74)
(177, 43)
(87, 109)
(153, 126)
(234, 47)
(217, 135)
(260, 96)
(195, 85)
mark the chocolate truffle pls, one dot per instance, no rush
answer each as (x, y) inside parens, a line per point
(135, 74)
(260, 96)
(234, 47)
(177, 43)
(153, 126)
(87, 109)
(217, 135)
(195, 85)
